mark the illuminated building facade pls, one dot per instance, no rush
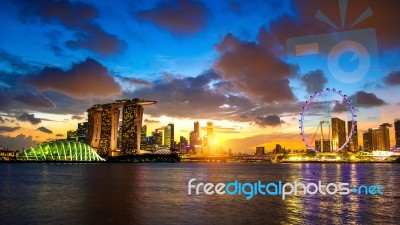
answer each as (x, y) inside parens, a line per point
(104, 133)
(353, 143)
(397, 132)
(326, 143)
(71, 135)
(376, 139)
(260, 150)
(367, 140)
(169, 136)
(385, 138)
(184, 146)
(211, 138)
(143, 138)
(132, 116)
(158, 137)
(338, 133)
(194, 139)
(81, 132)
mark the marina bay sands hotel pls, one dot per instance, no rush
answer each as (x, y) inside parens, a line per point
(105, 133)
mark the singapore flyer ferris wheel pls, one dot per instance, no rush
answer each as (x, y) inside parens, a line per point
(327, 121)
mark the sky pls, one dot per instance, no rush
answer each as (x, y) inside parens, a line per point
(247, 66)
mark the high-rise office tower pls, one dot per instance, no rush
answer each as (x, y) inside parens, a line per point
(385, 137)
(376, 137)
(81, 132)
(367, 140)
(353, 143)
(195, 135)
(326, 145)
(71, 135)
(143, 138)
(210, 129)
(157, 137)
(397, 132)
(338, 133)
(183, 145)
(210, 138)
(197, 127)
(169, 136)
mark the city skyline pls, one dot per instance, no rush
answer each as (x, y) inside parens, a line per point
(225, 63)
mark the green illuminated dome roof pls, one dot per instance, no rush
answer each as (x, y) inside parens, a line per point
(60, 151)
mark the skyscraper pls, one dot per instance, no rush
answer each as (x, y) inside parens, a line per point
(385, 139)
(104, 133)
(210, 138)
(376, 139)
(326, 143)
(169, 136)
(157, 137)
(143, 138)
(194, 138)
(81, 132)
(338, 133)
(183, 145)
(131, 129)
(71, 135)
(353, 143)
(397, 132)
(94, 126)
(197, 127)
(367, 140)
(210, 129)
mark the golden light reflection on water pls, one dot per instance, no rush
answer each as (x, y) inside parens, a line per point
(157, 194)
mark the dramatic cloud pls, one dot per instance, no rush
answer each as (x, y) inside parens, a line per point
(37, 100)
(26, 117)
(206, 97)
(19, 142)
(4, 100)
(392, 78)
(177, 16)
(314, 80)
(88, 79)
(18, 63)
(8, 129)
(77, 16)
(1, 120)
(269, 120)
(365, 99)
(77, 117)
(44, 130)
(253, 70)
(134, 81)
(340, 107)
(192, 97)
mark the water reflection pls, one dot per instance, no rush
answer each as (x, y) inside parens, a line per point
(157, 194)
